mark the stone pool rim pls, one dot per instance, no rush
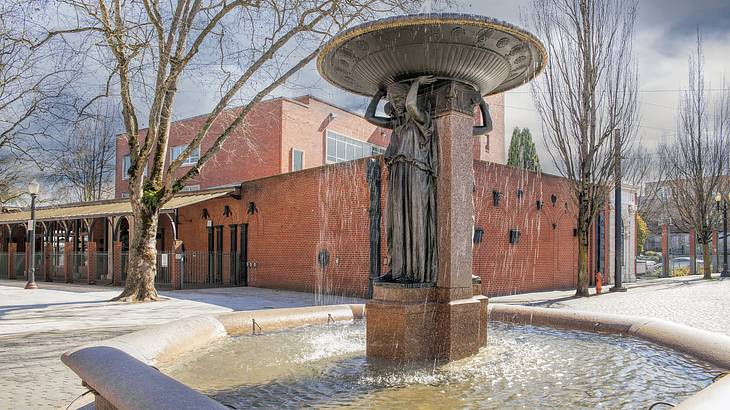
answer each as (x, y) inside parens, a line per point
(122, 371)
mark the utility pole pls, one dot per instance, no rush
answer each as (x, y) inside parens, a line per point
(618, 238)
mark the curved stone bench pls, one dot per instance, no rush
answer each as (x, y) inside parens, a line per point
(121, 371)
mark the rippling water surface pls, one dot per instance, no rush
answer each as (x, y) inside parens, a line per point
(522, 367)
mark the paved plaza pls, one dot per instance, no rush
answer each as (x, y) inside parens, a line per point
(37, 326)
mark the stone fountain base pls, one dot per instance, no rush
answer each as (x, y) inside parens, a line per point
(426, 323)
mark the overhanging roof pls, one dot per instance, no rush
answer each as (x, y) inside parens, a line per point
(102, 209)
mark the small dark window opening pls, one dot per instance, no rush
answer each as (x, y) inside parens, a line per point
(514, 236)
(495, 197)
(575, 231)
(251, 208)
(206, 215)
(227, 211)
(539, 204)
(323, 259)
(520, 194)
(555, 226)
(478, 235)
(553, 199)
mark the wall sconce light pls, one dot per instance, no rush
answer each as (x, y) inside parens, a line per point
(514, 236)
(252, 208)
(520, 194)
(478, 235)
(205, 215)
(553, 199)
(227, 211)
(323, 258)
(495, 197)
(539, 204)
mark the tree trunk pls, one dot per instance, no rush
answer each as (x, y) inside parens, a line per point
(142, 266)
(707, 269)
(582, 286)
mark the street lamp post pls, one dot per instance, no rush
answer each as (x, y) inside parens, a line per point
(722, 204)
(33, 189)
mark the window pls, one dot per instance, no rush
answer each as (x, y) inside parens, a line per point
(341, 148)
(189, 188)
(125, 195)
(126, 163)
(297, 159)
(190, 160)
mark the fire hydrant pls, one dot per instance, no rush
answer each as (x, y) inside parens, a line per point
(599, 282)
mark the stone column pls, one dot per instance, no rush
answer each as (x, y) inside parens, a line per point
(692, 251)
(175, 264)
(47, 265)
(117, 272)
(446, 321)
(665, 250)
(67, 262)
(90, 262)
(12, 249)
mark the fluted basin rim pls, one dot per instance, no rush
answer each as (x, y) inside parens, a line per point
(434, 19)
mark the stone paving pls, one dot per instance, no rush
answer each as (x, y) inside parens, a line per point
(37, 326)
(689, 300)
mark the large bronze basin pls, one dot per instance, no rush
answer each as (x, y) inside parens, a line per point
(491, 55)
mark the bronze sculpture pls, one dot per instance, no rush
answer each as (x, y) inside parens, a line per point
(412, 161)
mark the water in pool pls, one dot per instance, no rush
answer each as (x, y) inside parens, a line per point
(522, 367)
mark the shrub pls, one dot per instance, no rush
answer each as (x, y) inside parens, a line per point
(680, 272)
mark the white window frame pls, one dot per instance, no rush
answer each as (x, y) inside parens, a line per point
(294, 151)
(191, 160)
(191, 188)
(125, 166)
(349, 144)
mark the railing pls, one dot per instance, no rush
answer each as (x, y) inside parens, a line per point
(102, 273)
(57, 264)
(3, 265)
(210, 269)
(163, 278)
(19, 265)
(196, 269)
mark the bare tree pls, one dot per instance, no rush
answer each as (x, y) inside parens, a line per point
(696, 160)
(151, 47)
(642, 168)
(588, 91)
(32, 91)
(82, 163)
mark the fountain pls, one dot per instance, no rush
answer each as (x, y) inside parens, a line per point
(434, 70)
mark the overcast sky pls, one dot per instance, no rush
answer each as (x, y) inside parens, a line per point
(665, 36)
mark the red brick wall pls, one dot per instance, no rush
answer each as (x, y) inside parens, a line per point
(250, 152)
(262, 147)
(545, 256)
(301, 213)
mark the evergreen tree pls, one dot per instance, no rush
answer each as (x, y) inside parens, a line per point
(522, 152)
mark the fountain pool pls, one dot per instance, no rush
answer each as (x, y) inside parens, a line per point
(524, 367)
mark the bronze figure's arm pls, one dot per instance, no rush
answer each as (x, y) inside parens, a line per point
(412, 98)
(486, 119)
(370, 116)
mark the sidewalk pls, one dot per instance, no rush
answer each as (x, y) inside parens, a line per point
(37, 326)
(689, 300)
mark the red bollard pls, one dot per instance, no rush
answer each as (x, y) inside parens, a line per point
(599, 280)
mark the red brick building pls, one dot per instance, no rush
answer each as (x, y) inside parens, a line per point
(294, 209)
(287, 134)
